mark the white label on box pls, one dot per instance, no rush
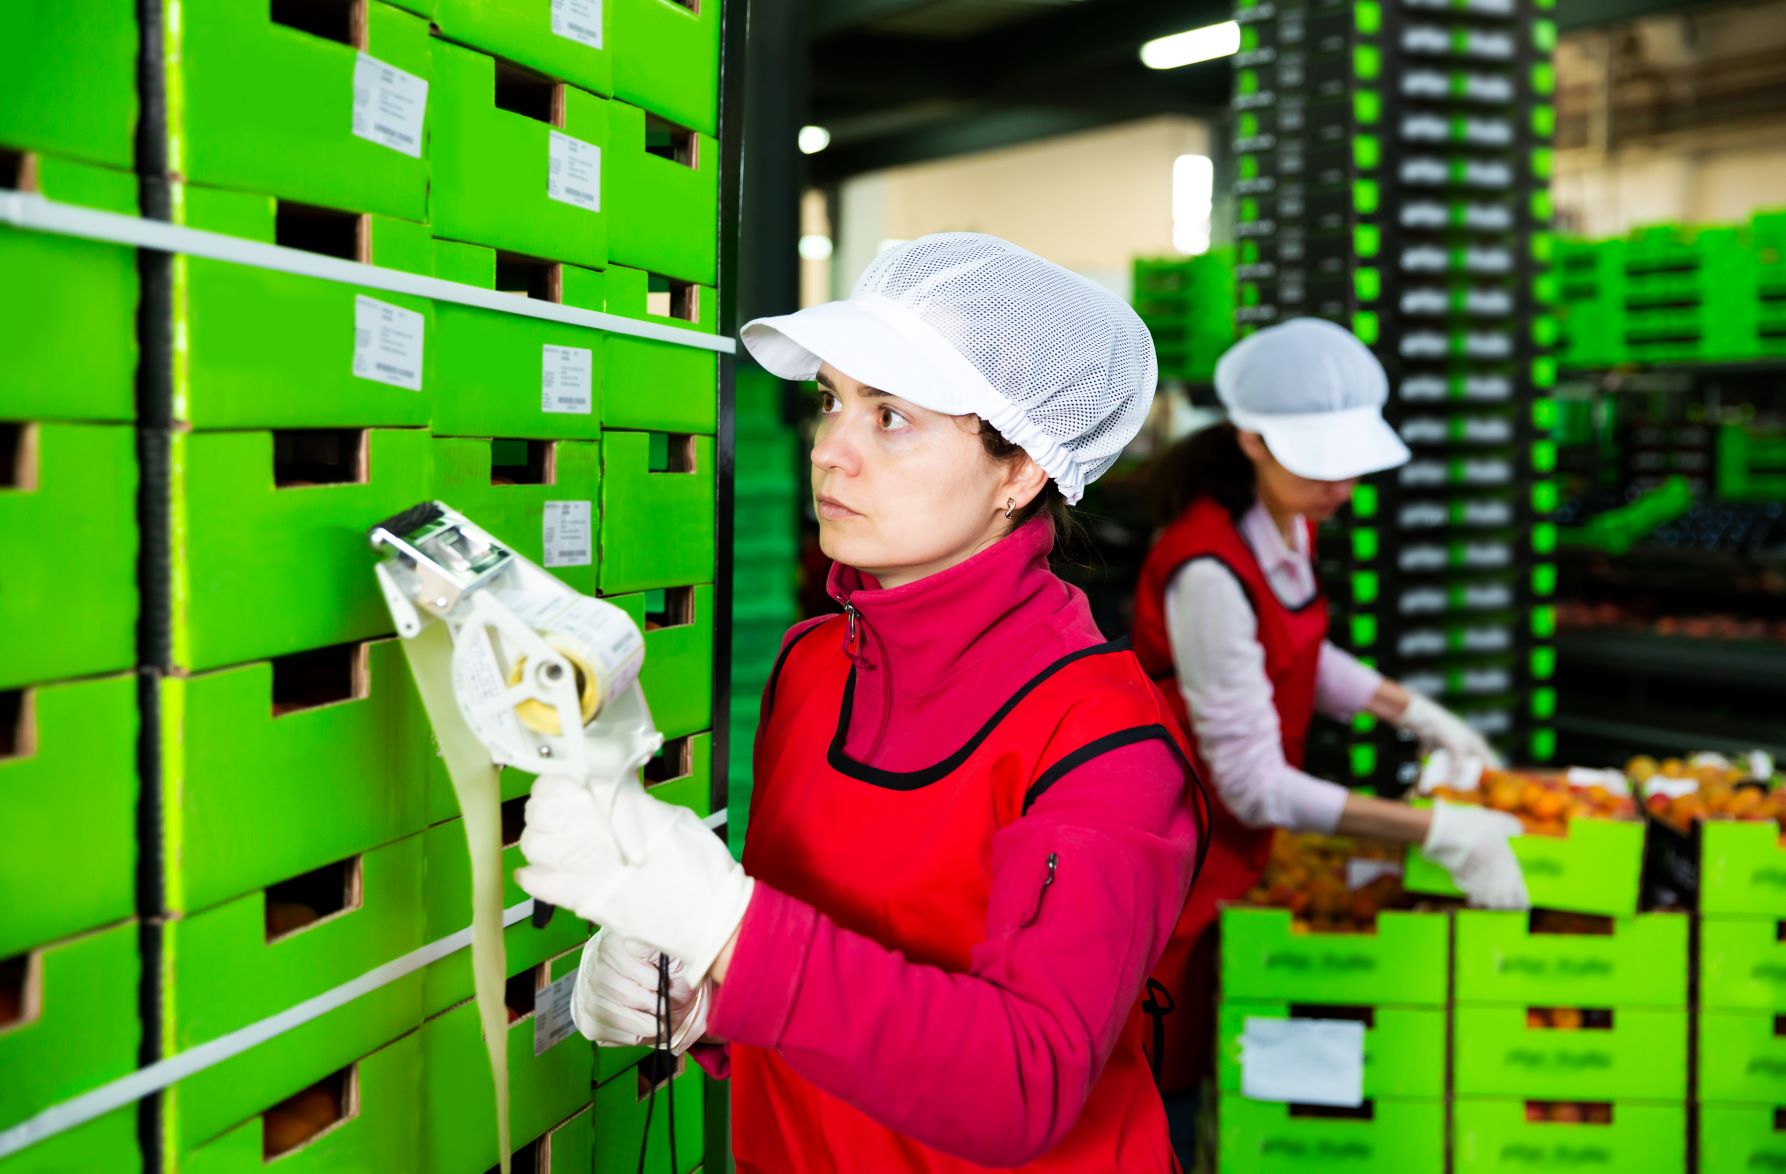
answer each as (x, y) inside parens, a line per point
(389, 105)
(578, 20)
(387, 343)
(552, 1022)
(574, 172)
(567, 534)
(1303, 1061)
(565, 379)
(1362, 870)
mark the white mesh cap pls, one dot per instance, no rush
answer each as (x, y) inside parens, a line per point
(1316, 394)
(964, 323)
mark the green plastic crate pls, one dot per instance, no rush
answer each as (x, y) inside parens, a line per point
(85, 1033)
(1263, 1137)
(1642, 1056)
(1742, 1057)
(666, 59)
(481, 359)
(76, 767)
(1406, 961)
(1740, 1139)
(68, 599)
(1594, 869)
(493, 168)
(68, 79)
(62, 365)
(521, 515)
(1742, 963)
(342, 774)
(657, 528)
(260, 349)
(1404, 1047)
(662, 188)
(260, 106)
(297, 555)
(1742, 870)
(661, 386)
(1489, 1136)
(1643, 962)
(220, 972)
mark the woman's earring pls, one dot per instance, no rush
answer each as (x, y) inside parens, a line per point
(1010, 507)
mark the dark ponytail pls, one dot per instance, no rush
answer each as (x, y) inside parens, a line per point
(1207, 463)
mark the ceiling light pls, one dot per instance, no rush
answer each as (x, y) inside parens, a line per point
(814, 139)
(814, 247)
(1188, 48)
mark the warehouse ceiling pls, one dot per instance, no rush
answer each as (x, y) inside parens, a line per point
(902, 81)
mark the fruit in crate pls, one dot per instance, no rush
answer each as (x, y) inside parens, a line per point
(1331, 884)
(1680, 792)
(1546, 800)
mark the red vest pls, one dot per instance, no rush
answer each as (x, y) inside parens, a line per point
(1292, 638)
(902, 857)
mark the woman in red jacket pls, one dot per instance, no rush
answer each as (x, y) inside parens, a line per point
(972, 826)
(1230, 620)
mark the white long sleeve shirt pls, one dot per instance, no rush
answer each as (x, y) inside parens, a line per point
(1221, 673)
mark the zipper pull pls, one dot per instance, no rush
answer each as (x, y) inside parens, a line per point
(850, 613)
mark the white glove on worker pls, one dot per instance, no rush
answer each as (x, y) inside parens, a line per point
(616, 998)
(681, 893)
(1437, 728)
(1472, 844)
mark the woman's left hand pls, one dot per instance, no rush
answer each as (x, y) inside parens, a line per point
(616, 1000)
(677, 889)
(1437, 728)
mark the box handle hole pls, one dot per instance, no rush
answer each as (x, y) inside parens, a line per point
(308, 457)
(309, 1113)
(296, 904)
(323, 676)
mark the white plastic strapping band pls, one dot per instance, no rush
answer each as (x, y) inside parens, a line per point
(42, 215)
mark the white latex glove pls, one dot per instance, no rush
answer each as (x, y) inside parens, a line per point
(682, 895)
(1472, 844)
(1437, 728)
(616, 998)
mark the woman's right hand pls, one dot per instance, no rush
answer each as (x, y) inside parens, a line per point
(1474, 845)
(616, 998)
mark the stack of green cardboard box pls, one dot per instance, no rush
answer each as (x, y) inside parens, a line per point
(1188, 306)
(70, 967)
(300, 830)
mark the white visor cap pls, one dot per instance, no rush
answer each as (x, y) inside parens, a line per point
(1316, 394)
(964, 323)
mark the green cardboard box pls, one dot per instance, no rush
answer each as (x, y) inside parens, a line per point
(227, 967)
(1643, 962)
(106, 1143)
(62, 365)
(666, 59)
(657, 515)
(1742, 1057)
(1742, 963)
(1494, 1135)
(1404, 1047)
(568, 1148)
(68, 79)
(571, 42)
(264, 569)
(68, 599)
(261, 349)
(341, 750)
(661, 386)
(1265, 1137)
(457, 1106)
(520, 163)
(382, 1131)
(81, 1029)
(1742, 870)
(1405, 962)
(75, 767)
(482, 360)
(546, 512)
(1740, 1139)
(621, 1105)
(1642, 1056)
(329, 110)
(678, 672)
(449, 981)
(1594, 869)
(664, 195)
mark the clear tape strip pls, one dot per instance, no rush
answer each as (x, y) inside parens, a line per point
(44, 215)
